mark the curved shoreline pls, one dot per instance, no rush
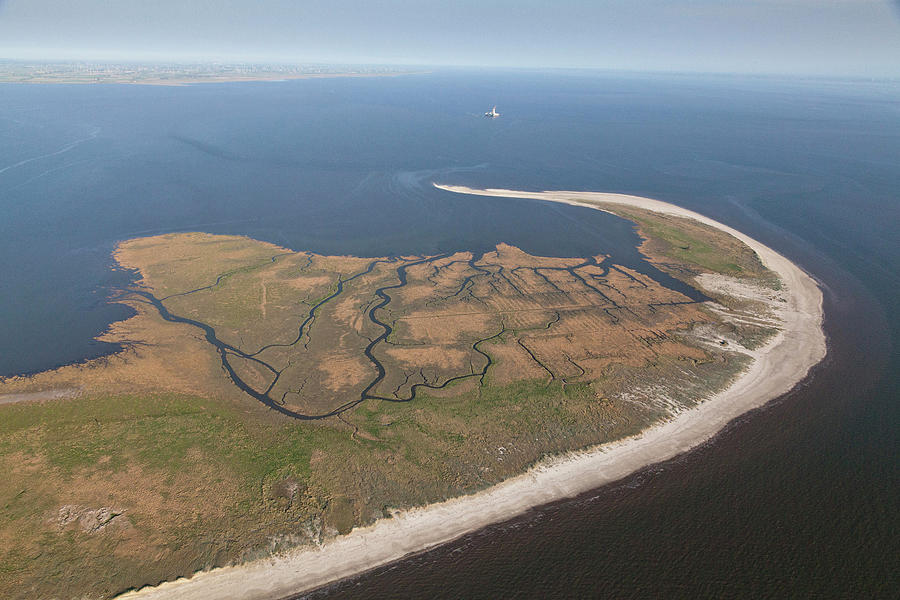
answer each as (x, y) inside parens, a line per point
(781, 364)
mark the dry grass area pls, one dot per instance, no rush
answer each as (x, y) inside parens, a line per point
(546, 318)
(161, 465)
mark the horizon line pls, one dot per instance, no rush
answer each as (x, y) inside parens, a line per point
(186, 61)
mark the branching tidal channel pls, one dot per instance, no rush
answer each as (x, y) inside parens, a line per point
(592, 282)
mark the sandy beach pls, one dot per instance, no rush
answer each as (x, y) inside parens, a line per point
(779, 366)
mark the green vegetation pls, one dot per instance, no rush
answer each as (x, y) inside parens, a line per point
(116, 488)
(201, 482)
(689, 243)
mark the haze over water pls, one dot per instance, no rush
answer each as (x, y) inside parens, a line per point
(800, 498)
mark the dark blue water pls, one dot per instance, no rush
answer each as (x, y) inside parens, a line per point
(797, 499)
(333, 166)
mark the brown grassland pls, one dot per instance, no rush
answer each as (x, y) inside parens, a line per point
(336, 390)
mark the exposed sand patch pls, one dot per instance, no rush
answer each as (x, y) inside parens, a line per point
(778, 366)
(58, 394)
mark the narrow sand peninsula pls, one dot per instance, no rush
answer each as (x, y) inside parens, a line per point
(780, 365)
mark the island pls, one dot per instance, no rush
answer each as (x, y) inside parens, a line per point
(279, 419)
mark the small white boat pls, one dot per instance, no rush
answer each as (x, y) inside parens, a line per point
(492, 114)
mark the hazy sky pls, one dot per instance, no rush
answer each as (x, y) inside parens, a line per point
(843, 37)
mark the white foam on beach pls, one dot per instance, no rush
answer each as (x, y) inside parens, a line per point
(777, 367)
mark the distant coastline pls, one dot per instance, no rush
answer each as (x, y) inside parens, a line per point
(779, 365)
(26, 72)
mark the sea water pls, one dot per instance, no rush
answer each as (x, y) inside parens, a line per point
(799, 498)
